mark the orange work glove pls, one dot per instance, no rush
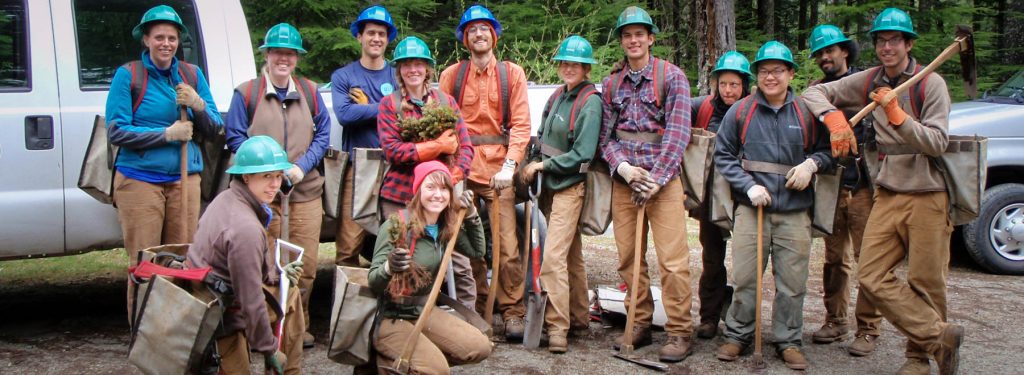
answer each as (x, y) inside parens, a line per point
(447, 143)
(893, 111)
(842, 136)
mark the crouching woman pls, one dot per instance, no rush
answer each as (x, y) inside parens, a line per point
(403, 275)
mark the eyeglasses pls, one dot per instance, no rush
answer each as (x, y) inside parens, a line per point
(777, 72)
(479, 29)
(891, 42)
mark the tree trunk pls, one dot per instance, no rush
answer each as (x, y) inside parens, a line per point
(716, 21)
(766, 17)
(1013, 53)
(802, 26)
(813, 19)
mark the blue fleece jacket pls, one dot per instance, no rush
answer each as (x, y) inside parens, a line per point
(359, 121)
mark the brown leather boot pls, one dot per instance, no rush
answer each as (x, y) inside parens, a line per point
(557, 343)
(915, 366)
(307, 340)
(794, 358)
(830, 332)
(947, 355)
(862, 345)
(641, 337)
(514, 328)
(729, 351)
(676, 349)
(707, 330)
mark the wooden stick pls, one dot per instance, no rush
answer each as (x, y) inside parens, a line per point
(184, 182)
(758, 356)
(626, 348)
(492, 289)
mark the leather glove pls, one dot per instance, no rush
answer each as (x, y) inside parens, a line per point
(633, 174)
(466, 202)
(188, 97)
(398, 261)
(446, 143)
(799, 177)
(893, 111)
(457, 175)
(759, 196)
(358, 96)
(841, 133)
(179, 131)
(293, 270)
(503, 179)
(449, 142)
(530, 171)
(274, 363)
(295, 174)
(640, 197)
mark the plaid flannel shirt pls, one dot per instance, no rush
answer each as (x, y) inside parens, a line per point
(635, 104)
(402, 156)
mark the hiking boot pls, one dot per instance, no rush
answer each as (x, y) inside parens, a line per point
(729, 352)
(794, 358)
(514, 328)
(947, 356)
(641, 337)
(557, 344)
(707, 330)
(830, 332)
(915, 366)
(307, 340)
(579, 330)
(863, 345)
(676, 349)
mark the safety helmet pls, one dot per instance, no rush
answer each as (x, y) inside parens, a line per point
(575, 49)
(477, 13)
(824, 36)
(635, 16)
(157, 14)
(376, 14)
(260, 154)
(412, 48)
(733, 61)
(893, 19)
(283, 35)
(774, 50)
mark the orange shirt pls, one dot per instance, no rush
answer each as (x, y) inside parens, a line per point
(481, 109)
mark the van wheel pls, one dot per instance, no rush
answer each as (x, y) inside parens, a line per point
(996, 238)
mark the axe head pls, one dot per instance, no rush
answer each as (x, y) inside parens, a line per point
(968, 60)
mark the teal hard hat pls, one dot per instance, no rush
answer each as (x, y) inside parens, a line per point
(283, 35)
(824, 36)
(733, 61)
(376, 14)
(259, 154)
(774, 50)
(635, 16)
(893, 19)
(159, 13)
(575, 49)
(477, 13)
(412, 48)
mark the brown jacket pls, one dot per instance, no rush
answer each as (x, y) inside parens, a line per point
(928, 135)
(231, 239)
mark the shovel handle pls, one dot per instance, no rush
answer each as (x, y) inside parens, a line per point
(183, 164)
(760, 275)
(492, 289)
(638, 250)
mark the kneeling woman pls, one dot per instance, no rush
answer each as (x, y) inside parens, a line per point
(428, 222)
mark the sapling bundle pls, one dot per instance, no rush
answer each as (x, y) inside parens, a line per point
(405, 282)
(436, 119)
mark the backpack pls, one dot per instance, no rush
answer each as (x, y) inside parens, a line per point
(660, 88)
(577, 105)
(140, 79)
(251, 90)
(745, 110)
(704, 113)
(916, 90)
(460, 88)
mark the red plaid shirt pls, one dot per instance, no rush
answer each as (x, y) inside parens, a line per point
(402, 156)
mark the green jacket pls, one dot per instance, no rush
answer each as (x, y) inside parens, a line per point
(563, 171)
(427, 253)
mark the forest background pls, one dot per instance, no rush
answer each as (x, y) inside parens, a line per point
(693, 32)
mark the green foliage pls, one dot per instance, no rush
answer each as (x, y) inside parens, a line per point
(436, 119)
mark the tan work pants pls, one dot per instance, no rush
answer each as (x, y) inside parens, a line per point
(842, 252)
(349, 238)
(510, 278)
(665, 216)
(445, 341)
(915, 227)
(305, 219)
(562, 273)
(234, 348)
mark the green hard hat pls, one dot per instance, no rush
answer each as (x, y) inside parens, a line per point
(575, 49)
(774, 50)
(157, 14)
(260, 154)
(893, 19)
(283, 35)
(412, 48)
(733, 61)
(635, 16)
(824, 36)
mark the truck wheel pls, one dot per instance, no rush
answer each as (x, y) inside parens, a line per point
(996, 238)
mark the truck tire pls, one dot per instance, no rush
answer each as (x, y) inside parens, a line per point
(996, 238)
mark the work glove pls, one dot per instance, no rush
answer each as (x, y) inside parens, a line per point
(643, 194)
(799, 177)
(179, 131)
(295, 174)
(759, 196)
(842, 136)
(530, 171)
(398, 261)
(274, 363)
(293, 270)
(457, 175)
(634, 175)
(358, 96)
(466, 201)
(188, 97)
(893, 111)
(446, 143)
(503, 179)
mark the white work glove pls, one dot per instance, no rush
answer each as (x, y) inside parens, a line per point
(759, 196)
(636, 177)
(179, 131)
(188, 97)
(799, 177)
(466, 201)
(293, 270)
(295, 174)
(503, 179)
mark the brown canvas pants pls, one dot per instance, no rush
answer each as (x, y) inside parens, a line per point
(842, 252)
(562, 272)
(915, 227)
(234, 348)
(445, 341)
(305, 219)
(664, 212)
(349, 238)
(713, 288)
(510, 278)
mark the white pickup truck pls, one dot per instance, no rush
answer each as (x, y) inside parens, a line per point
(54, 75)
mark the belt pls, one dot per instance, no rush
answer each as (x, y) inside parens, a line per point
(409, 300)
(646, 137)
(552, 151)
(489, 140)
(953, 146)
(765, 167)
(373, 153)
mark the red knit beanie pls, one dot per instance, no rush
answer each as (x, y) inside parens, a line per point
(424, 169)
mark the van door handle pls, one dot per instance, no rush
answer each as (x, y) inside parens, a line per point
(39, 132)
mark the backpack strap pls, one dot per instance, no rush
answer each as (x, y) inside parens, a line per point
(308, 90)
(551, 100)
(188, 74)
(396, 99)
(704, 113)
(805, 123)
(442, 98)
(869, 84)
(917, 93)
(743, 115)
(460, 80)
(503, 83)
(139, 82)
(252, 92)
(660, 91)
(577, 105)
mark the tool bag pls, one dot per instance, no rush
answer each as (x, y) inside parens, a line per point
(596, 213)
(826, 200)
(335, 162)
(697, 160)
(722, 205)
(369, 170)
(96, 177)
(352, 317)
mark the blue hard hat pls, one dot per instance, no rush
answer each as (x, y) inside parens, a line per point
(376, 14)
(477, 13)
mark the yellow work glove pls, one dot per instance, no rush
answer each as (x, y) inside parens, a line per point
(358, 96)
(892, 109)
(841, 134)
(188, 97)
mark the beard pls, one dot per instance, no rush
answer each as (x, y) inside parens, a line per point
(831, 71)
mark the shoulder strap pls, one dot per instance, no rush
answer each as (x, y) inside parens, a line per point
(252, 92)
(308, 90)
(503, 83)
(460, 80)
(442, 98)
(743, 115)
(707, 108)
(917, 93)
(805, 123)
(660, 91)
(396, 100)
(869, 84)
(140, 79)
(577, 105)
(614, 83)
(551, 100)
(188, 74)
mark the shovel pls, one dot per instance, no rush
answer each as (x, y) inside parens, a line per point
(184, 181)
(626, 349)
(492, 290)
(538, 297)
(758, 360)
(284, 283)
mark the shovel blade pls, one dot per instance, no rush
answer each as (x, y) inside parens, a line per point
(643, 362)
(534, 319)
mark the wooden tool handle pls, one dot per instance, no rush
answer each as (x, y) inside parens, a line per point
(184, 182)
(638, 250)
(760, 275)
(492, 289)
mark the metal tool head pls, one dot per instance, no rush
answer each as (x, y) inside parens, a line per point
(653, 365)
(968, 60)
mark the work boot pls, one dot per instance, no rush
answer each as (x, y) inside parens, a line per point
(641, 337)
(557, 343)
(514, 328)
(707, 330)
(830, 332)
(676, 349)
(581, 330)
(729, 352)
(307, 340)
(794, 358)
(947, 355)
(915, 366)
(862, 345)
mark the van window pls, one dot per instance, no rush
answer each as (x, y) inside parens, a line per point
(14, 72)
(104, 35)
